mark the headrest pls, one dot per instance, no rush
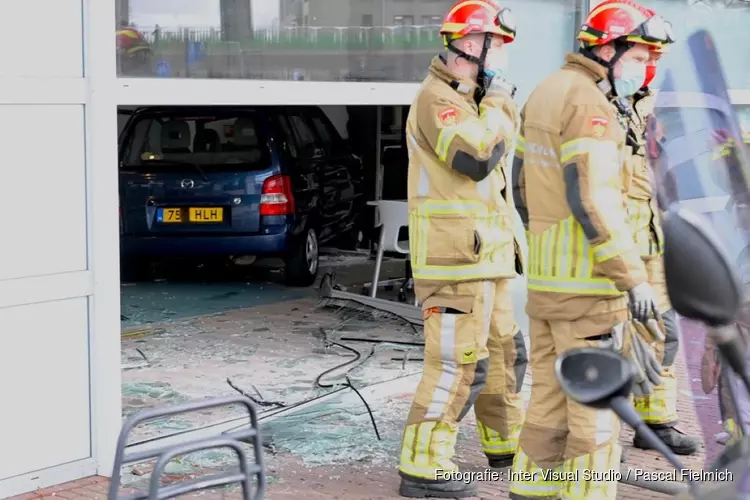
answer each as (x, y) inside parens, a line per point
(175, 135)
(244, 132)
(206, 141)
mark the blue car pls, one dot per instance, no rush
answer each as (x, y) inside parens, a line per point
(243, 183)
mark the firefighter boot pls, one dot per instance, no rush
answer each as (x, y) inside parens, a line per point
(413, 487)
(679, 442)
(500, 461)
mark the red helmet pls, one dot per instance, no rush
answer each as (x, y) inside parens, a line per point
(478, 16)
(624, 20)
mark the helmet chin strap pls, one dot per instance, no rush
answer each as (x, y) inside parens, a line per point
(480, 62)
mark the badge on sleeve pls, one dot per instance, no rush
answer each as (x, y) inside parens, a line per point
(448, 117)
(599, 126)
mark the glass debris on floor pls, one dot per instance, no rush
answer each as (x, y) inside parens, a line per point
(159, 302)
(275, 350)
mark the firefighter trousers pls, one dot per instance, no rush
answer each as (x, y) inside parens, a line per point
(660, 408)
(474, 356)
(566, 450)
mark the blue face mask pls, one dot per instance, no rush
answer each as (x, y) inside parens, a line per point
(631, 80)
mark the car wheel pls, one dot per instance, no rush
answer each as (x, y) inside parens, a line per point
(302, 266)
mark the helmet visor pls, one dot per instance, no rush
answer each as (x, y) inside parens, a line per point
(506, 21)
(655, 30)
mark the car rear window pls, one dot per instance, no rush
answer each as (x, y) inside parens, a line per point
(212, 142)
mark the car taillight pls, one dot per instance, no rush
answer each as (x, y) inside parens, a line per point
(277, 198)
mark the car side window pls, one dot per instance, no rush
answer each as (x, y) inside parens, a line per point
(324, 133)
(289, 141)
(305, 137)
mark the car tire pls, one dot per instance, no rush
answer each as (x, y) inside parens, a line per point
(302, 266)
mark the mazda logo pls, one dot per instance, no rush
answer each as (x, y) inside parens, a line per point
(187, 184)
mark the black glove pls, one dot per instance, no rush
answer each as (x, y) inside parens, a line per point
(643, 303)
(634, 341)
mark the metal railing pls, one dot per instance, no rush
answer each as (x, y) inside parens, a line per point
(251, 470)
(303, 38)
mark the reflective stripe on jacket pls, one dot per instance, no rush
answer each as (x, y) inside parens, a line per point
(460, 212)
(642, 209)
(568, 187)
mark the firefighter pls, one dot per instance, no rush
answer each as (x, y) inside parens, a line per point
(658, 410)
(460, 131)
(584, 269)
(133, 50)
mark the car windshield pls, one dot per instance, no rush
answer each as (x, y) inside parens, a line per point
(204, 142)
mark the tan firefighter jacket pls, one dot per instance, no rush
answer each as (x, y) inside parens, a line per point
(642, 208)
(568, 185)
(460, 212)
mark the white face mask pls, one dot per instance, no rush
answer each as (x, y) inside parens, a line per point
(497, 60)
(631, 79)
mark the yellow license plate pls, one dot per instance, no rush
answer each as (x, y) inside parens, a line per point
(171, 215)
(211, 214)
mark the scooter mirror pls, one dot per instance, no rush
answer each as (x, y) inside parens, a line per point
(701, 281)
(593, 377)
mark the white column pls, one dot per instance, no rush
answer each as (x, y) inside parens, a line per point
(104, 236)
(59, 293)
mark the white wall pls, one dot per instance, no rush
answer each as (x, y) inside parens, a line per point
(55, 428)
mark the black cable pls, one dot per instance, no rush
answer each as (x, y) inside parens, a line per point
(348, 382)
(382, 341)
(259, 402)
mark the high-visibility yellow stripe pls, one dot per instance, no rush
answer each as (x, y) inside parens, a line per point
(659, 407)
(640, 215)
(524, 468)
(591, 286)
(426, 448)
(562, 260)
(521, 144)
(606, 250)
(488, 223)
(493, 443)
(580, 146)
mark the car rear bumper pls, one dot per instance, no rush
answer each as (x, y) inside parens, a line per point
(271, 245)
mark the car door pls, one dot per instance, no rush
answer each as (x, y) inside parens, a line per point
(302, 172)
(311, 158)
(342, 179)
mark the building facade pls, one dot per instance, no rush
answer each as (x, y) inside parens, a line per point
(385, 41)
(59, 310)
